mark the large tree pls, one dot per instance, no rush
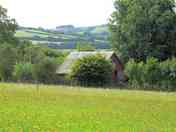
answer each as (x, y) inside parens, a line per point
(142, 28)
(8, 27)
(8, 60)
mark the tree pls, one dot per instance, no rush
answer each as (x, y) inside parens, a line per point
(142, 28)
(57, 55)
(8, 60)
(30, 53)
(92, 70)
(7, 27)
(23, 72)
(45, 71)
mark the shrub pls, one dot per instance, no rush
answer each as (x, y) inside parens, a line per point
(168, 73)
(23, 72)
(135, 72)
(45, 71)
(152, 74)
(8, 59)
(92, 70)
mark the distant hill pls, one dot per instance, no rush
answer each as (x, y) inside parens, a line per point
(66, 36)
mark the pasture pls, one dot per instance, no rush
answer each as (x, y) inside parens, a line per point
(28, 108)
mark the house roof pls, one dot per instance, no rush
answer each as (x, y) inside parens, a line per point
(65, 68)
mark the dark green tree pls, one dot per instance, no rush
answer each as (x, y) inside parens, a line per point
(8, 27)
(30, 53)
(23, 72)
(8, 60)
(45, 71)
(142, 28)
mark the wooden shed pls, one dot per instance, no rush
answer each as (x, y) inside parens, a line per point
(118, 68)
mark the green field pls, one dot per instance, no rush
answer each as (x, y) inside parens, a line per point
(32, 33)
(97, 35)
(28, 108)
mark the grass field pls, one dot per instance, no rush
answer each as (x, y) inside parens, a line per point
(26, 108)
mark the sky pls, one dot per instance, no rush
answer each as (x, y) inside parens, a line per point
(52, 13)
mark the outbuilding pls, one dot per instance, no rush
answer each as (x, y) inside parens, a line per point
(118, 67)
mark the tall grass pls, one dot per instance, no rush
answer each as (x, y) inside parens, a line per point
(29, 108)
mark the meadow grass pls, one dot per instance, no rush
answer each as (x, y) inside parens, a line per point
(29, 108)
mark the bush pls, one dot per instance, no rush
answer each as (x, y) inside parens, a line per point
(152, 74)
(45, 71)
(8, 59)
(43, 61)
(168, 74)
(92, 70)
(59, 56)
(135, 72)
(23, 72)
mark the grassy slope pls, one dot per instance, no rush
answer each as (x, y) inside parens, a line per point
(69, 40)
(23, 34)
(84, 110)
(31, 33)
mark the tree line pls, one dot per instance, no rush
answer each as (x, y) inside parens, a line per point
(22, 61)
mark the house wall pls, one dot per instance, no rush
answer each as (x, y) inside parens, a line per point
(118, 74)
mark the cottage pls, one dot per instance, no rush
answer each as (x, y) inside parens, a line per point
(117, 75)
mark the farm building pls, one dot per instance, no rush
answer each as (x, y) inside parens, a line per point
(117, 75)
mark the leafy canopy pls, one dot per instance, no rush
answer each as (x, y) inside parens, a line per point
(142, 28)
(8, 27)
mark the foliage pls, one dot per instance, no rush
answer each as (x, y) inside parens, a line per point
(7, 27)
(27, 52)
(45, 71)
(151, 71)
(57, 55)
(92, 70)
(135, 72)
(23, 72)
(168, 73)
(28, 63)
(37, 63)
(144, 28)
(8, 60)
(33, 54)
(152, 74)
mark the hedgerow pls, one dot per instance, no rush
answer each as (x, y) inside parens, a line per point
(152, 74)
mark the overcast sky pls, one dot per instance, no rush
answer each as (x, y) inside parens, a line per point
(51, 13)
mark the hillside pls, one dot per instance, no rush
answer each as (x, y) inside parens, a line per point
(66, 37)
